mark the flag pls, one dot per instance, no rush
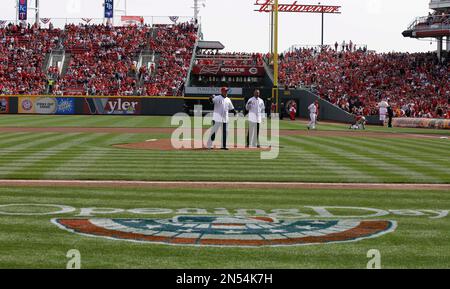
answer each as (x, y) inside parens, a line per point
(87, 20)
(174, 19)
(45, 20)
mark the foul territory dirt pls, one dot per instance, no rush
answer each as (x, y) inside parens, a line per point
(211, 185)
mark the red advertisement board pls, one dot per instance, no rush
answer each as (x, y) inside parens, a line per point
(116, 105)
(215, 70)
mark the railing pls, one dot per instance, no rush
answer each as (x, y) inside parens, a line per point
(61, 22)
(430, 22)
(191, 64)
(294, 48)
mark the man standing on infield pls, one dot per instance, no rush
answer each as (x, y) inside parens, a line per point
(255, 107)
(222, 105)
(313, 112)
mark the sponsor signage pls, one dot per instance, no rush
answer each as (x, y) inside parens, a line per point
(23, 9)
(306, 225)
(228, 231)
(46, 105)
(295, 7)
(65, 105)
(214, 70)
(112, 106)
(4, 105)
(211, 91)
(26, 105)
(109, 8)
(421, 123)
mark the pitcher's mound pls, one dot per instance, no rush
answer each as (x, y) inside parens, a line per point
(166, 145)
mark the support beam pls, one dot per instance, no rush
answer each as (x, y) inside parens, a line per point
(440, 47)
(275, 56)
(37, 13)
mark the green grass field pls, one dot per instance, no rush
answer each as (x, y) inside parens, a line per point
(420, 241)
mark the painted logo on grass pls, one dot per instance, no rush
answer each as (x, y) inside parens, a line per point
(228, 231)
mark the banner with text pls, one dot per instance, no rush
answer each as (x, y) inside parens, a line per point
(112, 106)
(109, 8)
(46, 105)
(210, 91)
(421, 123)
(23, 9)
(213, 70)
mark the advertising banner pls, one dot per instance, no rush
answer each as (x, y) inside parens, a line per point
(112, 106)
(421, 123)
(46, 105)
(211, 90)
(4, 105)
(23, 9)
(65, 105)
(215, 70)
(109, 8)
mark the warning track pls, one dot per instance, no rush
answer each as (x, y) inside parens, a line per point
(225, 185)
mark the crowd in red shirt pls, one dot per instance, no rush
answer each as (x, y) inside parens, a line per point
(103, 59)
(175, 45)
(22, 53)
(417, 85)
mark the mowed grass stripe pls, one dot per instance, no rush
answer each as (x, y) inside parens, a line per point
(436, 165)
(373, 157)
(422, 147)
(386, 156)
(58, 155)
(368, 165)
(51, 147)
(38, 140)
(329, 164)
(84, 159)
(8, 138)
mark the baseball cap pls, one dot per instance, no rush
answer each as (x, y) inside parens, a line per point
(224, 89)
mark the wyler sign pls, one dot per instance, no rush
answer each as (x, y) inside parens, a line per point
(295, 7)
(112, 106)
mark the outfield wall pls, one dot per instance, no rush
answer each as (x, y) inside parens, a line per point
(82, 105)
(421, 123)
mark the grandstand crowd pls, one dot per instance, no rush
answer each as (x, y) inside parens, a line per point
(417, 85)
(104, 61)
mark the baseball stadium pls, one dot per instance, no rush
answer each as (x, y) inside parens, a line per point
(139, 142)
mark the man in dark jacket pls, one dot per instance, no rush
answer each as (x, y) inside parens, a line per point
(390, 113)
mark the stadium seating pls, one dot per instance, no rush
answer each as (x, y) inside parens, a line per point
(104, 61)
(416, 84)
(175, 46)
(22, 53)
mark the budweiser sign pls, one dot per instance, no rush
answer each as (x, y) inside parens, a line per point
(267, 6)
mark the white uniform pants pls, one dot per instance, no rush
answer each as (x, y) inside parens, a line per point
(312, 123)
(215, 129)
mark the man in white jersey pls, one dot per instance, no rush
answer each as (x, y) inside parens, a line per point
(382, 106)
(313, 111)
(222, 105)
(256, 108)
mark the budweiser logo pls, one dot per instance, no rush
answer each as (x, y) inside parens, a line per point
(267, 6)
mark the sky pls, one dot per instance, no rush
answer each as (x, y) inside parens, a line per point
(375, 23)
